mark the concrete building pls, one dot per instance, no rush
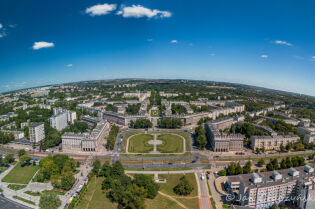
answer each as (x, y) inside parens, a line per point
(309, 138)
(264, 189)
(88, 142)
(221, 142)
(59, 121)
(71, 115)
(17, 134)
(37, 132)
(272, 142)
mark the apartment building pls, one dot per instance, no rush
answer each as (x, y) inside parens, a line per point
(272, 142)
(262, 190)
(37, 132)
(59, 121)
(221, 142)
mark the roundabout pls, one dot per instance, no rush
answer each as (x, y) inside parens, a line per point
(156, 143)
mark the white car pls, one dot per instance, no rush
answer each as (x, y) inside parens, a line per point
(202, 177)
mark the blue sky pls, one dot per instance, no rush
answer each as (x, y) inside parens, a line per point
(264, 43)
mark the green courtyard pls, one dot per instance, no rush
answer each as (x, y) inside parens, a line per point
(21, 175)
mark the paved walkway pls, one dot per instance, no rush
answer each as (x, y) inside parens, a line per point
(32, 186)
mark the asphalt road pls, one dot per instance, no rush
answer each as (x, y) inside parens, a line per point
(5, 203)
(204, 192)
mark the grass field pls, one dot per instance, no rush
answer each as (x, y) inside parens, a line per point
(161, 202)
(190, 201)
(171, 144)
(94, 198)
(20, 175)
(139, 143)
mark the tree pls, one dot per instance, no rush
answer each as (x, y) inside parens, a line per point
(96, 167)
(49, 200)
(117, 169)
(222, 173)
(283, 164)
(9, 159)
(141, 123)
(238, 169)
(105, 170)
(25, 160)
(261, 162)
(67, 181)
(148, 184)
(247, 167)
(282, 148)
(183, 187)
(21, 152)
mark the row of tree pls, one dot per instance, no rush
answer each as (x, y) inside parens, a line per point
(288, 162)
(201, 138)
(170, 123)
(140, 123)
(111, 139)
(236, 169)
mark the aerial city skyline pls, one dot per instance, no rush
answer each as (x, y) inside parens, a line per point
(268, 44)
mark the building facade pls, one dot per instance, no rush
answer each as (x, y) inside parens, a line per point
(37, 132)
(59, 121)
(221, 142)
(272, 142)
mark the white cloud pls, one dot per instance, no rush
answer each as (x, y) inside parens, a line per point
(212, 54)
(1, 26)
(264, 56)
(313, 58)
(174, 41)
(100, 9)
(138, 11)
(42, 44)
(150, 39)
(283, 43)
(69, 65)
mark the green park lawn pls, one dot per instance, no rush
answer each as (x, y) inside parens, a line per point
(20, 175)
(139, 143)
(94, 197)
(155, 113)
(190, 201)
(171, 144)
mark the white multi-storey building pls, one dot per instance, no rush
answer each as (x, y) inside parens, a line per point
(37, 132)
(59, 121)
